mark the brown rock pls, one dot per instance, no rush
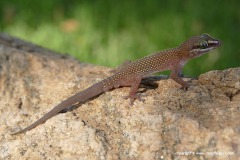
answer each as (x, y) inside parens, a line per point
(201, 123)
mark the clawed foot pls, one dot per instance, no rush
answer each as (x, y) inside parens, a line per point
(133, 97)
(185, 87)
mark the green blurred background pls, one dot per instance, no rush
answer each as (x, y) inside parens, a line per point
(108, 32)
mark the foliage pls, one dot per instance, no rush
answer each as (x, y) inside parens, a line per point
(108, 32)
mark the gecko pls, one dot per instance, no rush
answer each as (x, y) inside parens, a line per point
(130, 73)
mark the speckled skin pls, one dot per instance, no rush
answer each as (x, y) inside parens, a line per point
(131, 73)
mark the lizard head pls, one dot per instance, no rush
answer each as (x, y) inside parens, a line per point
(197, 46)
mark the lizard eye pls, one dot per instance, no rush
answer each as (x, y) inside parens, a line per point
(203, 45)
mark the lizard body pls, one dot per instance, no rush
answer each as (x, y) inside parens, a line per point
(131, 73)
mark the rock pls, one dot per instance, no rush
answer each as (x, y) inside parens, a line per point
(201, 123)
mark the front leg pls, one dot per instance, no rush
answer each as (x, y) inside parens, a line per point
(175, 75)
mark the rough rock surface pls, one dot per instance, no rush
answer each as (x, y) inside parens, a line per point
(201, 123)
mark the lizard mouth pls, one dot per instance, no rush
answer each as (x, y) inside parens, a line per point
(211, 44)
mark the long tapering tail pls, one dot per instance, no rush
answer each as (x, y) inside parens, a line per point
(90, 92)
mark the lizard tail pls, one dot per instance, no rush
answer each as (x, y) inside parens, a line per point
(90, 92)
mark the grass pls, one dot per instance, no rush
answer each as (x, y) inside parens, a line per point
(110, 32)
